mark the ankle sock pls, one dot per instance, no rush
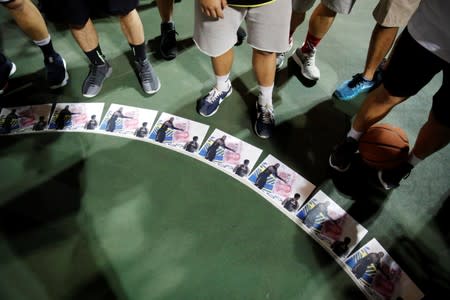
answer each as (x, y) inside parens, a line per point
(96, 56)
(139, 52)
(354, 134)
(222, 82)
(265, 95)
(311, 42)
(46, 47)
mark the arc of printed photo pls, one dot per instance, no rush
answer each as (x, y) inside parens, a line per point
(330, 225)
(76, 117)
(378, 276)
(177, 133)
(125, 121)
(24, 119)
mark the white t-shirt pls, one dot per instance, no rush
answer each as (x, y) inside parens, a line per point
(430, 27)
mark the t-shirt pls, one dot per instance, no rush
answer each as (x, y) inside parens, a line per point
(429, 26)
(250, 3)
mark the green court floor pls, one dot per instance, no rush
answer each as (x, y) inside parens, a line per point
(86, 216)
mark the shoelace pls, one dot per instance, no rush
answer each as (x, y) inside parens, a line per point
(357, 79)
(92, 79)
(146, 73)
(214, 94)
(266, 114)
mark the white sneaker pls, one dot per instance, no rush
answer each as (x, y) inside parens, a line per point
(307, 63)
(281, 57)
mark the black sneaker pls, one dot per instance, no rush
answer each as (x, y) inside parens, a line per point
(147, 77)
(94, 81)
(168, 46)
(241, 35)
(265, 121)
(342, 154)
(57, 75)
(6, 70)
(390, 179)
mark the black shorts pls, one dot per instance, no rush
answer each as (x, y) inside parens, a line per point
(411, 67)
(77, 12)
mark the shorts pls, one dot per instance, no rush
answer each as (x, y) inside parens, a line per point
(266, 30)
(394, 13)
(411, 67)
(78, 12)
(338, 6)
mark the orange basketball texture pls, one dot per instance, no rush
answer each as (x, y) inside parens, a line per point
(384, 146)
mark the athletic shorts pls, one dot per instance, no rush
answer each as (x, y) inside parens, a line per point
(77, 12)
(411, 67)
(6, 1)
(267, 28)
(338, 6)
(394, 13)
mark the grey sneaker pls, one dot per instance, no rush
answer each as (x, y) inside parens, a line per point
(147, 77)
(307, 63)
(94, 81)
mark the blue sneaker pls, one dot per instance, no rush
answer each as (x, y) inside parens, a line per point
(209, 104)
(349, 89)
(6, 70)
(57, 75)
(265, 121)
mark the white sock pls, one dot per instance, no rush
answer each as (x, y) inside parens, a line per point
(43, 42)
(222, 82)
(354, 134)
(413, 160)
(265, 95)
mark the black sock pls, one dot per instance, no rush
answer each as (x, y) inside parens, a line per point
(48, 50)
(139, 52)
(96, 56)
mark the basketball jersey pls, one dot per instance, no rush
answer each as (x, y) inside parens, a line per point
(250, 3)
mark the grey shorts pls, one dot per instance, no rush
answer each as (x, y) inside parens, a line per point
(394, 13)
(267, 28)
(338, 6)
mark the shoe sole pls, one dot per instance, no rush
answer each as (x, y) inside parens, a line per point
(336, 167)
(261, 136)
(11, 73)
(220, 102)
(108, 74)
(299, 62)
(65, 80)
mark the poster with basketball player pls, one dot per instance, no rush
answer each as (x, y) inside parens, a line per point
(128, 121)
(76, 116)
(378, 276)
(230, 153)
(178, 132)
(326, 222)
(24, 119)
(277, 182)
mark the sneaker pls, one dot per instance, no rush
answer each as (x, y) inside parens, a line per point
(147, 77)
(307, 63)
(57, 75)
(168, 46)
(349, 89)
(94, 81)
(281, 57)
(390, 179)
(209, 104)
(241, 35)
(265, 121)
(6, 71)
(342, 154)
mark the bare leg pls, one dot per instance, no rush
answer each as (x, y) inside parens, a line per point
(222, 64)
(29, 19)
(381, 42)
(86, 36)
(165, 8)
(132, 28)
(264, 67)
(432, 137)
(321, 20)
(297, 18)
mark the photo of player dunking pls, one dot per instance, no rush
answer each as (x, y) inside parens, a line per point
(161, 133)
(212, 150)
(64, 116)
(111, 124)
(266, 173)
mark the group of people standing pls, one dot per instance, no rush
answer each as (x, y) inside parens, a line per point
(422, 51)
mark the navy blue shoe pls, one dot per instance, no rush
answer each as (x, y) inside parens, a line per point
(6, 70)
(209, 104)
(265, 121)
(57, 75)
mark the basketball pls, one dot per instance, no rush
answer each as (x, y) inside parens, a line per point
(384, 146)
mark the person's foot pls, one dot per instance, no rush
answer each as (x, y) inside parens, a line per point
(281, 57)
(93, 83)
(147, 77)
(168, 46)
(57, 75)
(7, 69)
(390, 178)
(349, 89)
(265, 121)
(209, 104)
(241, 35)
(307, 63)
(342, 154)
